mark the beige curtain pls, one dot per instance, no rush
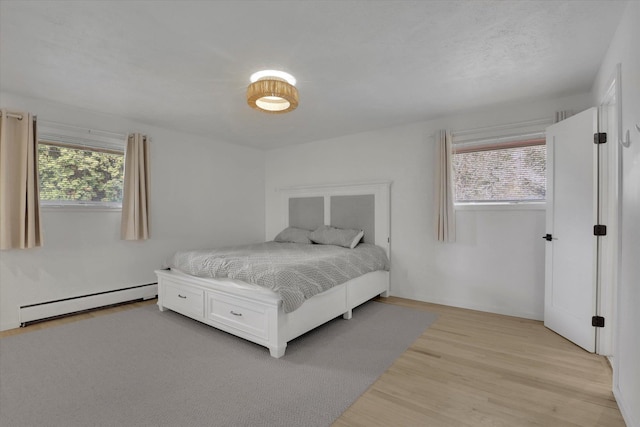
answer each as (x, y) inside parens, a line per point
(19, 197)
(445, 217)
(135, 202)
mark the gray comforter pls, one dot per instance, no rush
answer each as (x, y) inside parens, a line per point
(294, 271)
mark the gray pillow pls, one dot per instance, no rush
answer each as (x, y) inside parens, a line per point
(293, 235)
(327, 235)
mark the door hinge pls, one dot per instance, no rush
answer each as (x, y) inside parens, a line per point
(599, 230)
(599, 138)
(597, 321)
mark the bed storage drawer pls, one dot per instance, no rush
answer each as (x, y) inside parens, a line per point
(239, 314)
(186, 300)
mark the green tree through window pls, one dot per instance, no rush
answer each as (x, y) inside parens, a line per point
(80, 174)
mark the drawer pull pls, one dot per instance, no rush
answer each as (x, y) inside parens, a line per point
(182, 296)
(235, 314)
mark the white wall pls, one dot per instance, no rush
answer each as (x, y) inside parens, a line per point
(497, 263)
(624, 49)
(204, 193)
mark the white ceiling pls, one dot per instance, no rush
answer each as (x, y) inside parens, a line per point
(360, 65)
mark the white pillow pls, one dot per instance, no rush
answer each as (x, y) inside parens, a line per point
(327, 235)
(293, 235)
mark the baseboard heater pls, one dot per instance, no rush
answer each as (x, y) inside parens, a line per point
(38, 312)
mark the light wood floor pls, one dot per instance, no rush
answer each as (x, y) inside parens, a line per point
(478, 369)
(474, 369)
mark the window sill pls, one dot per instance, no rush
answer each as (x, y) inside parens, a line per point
(79, 208)
(525, 206)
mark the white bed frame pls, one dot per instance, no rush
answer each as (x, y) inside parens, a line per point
(258, 316)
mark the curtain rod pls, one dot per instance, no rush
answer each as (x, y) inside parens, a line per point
(543, 121)
(14, 116)
(81, 129)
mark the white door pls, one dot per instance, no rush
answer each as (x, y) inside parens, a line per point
(571, 254)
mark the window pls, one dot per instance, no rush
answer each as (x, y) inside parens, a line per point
(75, 172)
(502, 172)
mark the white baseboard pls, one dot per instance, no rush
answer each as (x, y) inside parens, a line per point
(625, 409)
(506, 311)
(47, 309)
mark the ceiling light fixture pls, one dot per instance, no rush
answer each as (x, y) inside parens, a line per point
(272, 91)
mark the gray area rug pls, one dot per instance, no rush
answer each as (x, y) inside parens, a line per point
(143, 367)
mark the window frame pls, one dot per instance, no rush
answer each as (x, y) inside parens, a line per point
(471, 145)
(67, 136)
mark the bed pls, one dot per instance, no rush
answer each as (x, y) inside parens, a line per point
(260, 314)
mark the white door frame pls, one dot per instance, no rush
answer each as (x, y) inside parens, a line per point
(610, 196)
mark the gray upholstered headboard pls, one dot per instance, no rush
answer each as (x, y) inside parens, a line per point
(352, 211)
(357, 206)
(357, 212)
(306, 212)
